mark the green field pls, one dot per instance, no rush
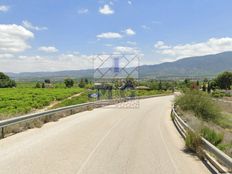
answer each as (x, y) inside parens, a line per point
(21, 100)
(25, 98)
(115, 94)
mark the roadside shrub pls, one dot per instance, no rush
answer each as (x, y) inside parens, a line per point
(227, 148)
(200, 104)
(69, 83)
(224, 80)
(193, 141)
(212, 136)
(6, 82)
(218, 94)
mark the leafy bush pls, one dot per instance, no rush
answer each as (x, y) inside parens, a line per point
(82, 83)
(193, 141)
(224, 80)
(69, 83)
(218, 94)
(227, 148)
(212, 136)
(199, 103)
(6, 82)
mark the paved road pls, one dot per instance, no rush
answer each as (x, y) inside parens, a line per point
(103, 141)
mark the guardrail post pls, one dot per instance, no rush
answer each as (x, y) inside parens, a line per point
(3, 133)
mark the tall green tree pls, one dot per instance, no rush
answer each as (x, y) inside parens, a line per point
(47, 81)
(37, 85)
(160, 86)
(6, 82)
(81, 83)
(224, 80)
(69, 83)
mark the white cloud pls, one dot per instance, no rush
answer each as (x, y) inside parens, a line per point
(109, 35)
(48, 49)
(156, 22)
(6, 55)
(126, 50)
(13, 39)
(111, 3)
(145, 27)
(4, 8)
(161, 45)
(212, 46)
(131, 43)
(129, 2)
(106, 10)
(83, 11)
(130, 32)
(71, 61)
(108, 45)
(29, 26)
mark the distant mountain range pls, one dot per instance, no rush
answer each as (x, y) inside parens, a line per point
(201, 66)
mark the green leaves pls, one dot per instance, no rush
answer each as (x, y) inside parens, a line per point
(200, 104)
(18, 101)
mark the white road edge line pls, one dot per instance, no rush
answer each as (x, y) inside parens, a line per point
(166, 147)
(97, 146)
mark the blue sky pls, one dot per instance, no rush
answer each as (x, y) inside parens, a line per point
(50, 35)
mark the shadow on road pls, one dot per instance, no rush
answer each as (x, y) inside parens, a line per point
(196, 157)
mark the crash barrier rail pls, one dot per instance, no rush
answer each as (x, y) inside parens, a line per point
(210, 151)
(53, 112)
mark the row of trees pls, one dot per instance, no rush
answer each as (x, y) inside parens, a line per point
(6, 82)
(67, 82)
(161, 85)
(222, 81)
(70, 83)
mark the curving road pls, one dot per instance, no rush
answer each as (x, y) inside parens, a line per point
(103, 141)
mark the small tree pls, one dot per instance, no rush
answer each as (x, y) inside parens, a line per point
(209, 87)
(204, 87)
(69, 83)
(81, 84)
(43, 85)
(224, 80)
(37, 85)
(86, 81)
(213, 84)
(160, 85)
(6, 82)
(130, 82)
(47, 81)
(187, 83)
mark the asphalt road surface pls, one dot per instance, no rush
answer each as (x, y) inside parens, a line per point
(106, 140)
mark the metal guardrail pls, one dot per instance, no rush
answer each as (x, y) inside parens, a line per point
(28, 117)
(224, 159)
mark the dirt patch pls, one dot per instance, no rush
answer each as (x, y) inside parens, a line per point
(54, 103)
